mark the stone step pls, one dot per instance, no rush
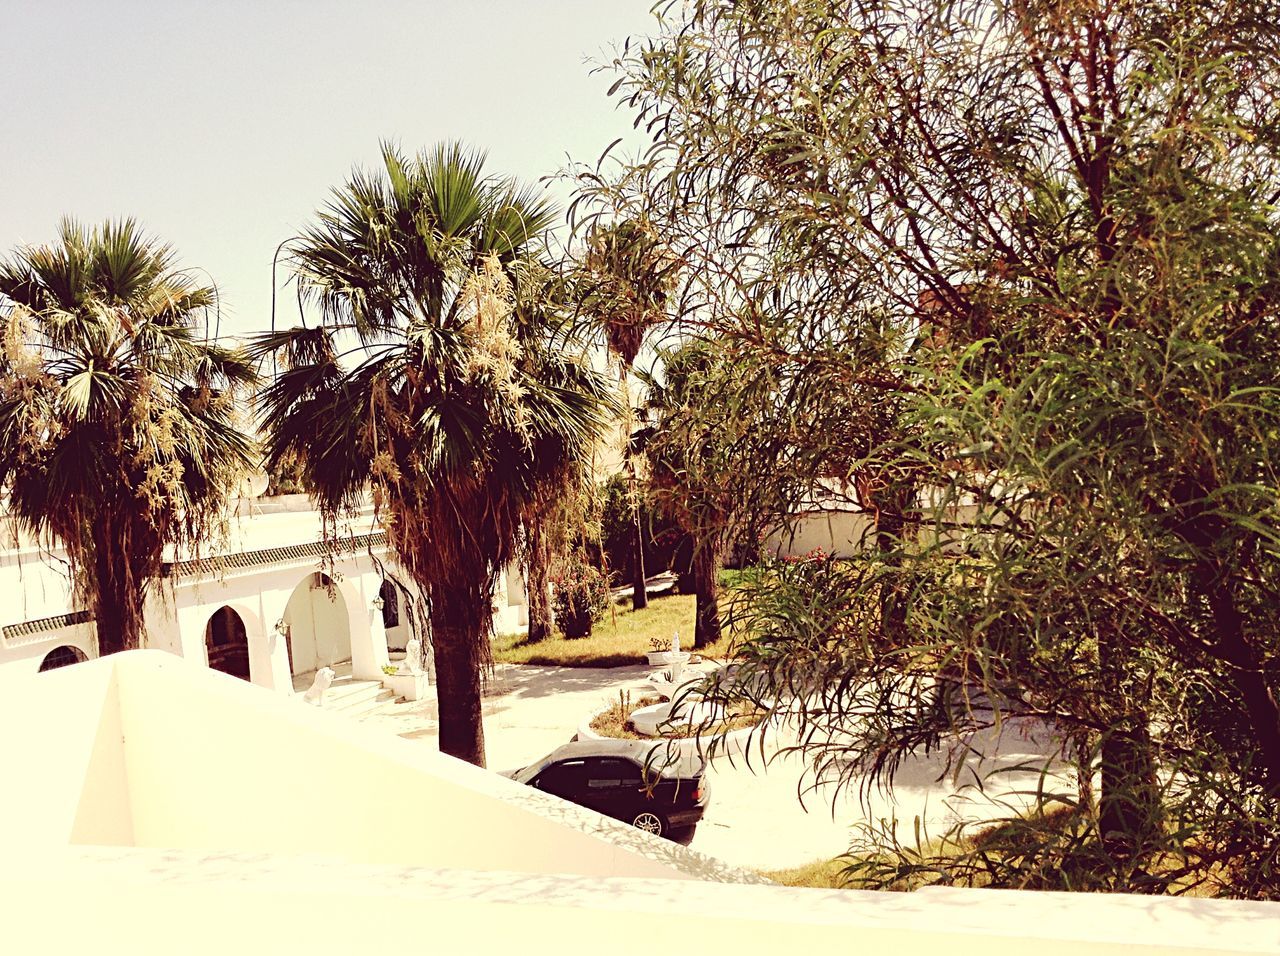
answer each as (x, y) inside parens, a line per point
(371, 706)
(346, 695)
(357, 698)
(351, 694)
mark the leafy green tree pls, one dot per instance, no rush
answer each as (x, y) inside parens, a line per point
(118, 428)
(1043, 236)
(706, 411)
(664, 543)
(452, 403)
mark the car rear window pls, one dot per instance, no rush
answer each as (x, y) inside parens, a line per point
(608, 772)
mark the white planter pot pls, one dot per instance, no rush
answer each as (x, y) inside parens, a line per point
(667, 658)
(408, 686)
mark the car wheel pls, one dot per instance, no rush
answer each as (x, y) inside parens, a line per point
(649, 822)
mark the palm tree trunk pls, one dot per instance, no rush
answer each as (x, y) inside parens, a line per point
(537, 579)
(457, 631)
(639, 591)
(706, 568)
(117, 586)
(112, 615)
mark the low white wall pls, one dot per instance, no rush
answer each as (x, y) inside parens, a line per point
(265, 805)
(61, 741)
(841, 533)
(229, 767)
(142, 901)
(835, 532)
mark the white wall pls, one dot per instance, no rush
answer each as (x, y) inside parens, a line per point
(27, 652)
(258, 806)
(835, 532)
(153, 751)
(141, 901)
(319, 628)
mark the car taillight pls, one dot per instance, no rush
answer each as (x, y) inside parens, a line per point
(699, 791)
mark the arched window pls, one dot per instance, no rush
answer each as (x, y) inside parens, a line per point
(61, 657)
(226, 643)
(390, 595)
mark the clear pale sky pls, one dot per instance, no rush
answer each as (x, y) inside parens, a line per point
(222, 125)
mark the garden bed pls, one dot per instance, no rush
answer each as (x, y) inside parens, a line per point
(614, 723)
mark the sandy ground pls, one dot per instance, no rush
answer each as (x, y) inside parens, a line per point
(756, 817)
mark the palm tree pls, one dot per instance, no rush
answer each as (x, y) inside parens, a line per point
(700, 446)
(446, 403)
(629, 278)
(118, 432)
(543, 314)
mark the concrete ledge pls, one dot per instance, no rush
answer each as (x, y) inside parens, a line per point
(150, 750)
(143, 900)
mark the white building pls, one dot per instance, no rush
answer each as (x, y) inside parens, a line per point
(271, 604)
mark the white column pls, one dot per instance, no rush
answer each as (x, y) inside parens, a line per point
(273, 599)
(188, 641)
(368, 636)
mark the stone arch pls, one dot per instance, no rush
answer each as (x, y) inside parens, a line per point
(226, 642)
(317, 621)
(62, 656)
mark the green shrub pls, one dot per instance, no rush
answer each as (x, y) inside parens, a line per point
(581, 595)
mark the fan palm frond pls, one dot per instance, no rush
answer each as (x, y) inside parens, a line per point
(459, 410)
(118, 431)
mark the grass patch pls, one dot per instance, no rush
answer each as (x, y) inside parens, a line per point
(620, 639)
(833, 874)
(820, 874)
(729, 578)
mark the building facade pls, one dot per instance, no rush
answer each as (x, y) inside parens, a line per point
(272, 603)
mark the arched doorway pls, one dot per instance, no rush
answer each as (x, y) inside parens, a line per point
(318, 624)
(61, 657)
(226, 644)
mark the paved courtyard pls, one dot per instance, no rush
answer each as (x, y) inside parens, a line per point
(755, 818)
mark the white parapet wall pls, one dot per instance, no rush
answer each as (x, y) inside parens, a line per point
(145, 749)
(149, 901)
(155, 806)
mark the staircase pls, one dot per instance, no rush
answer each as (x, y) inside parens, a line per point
(356, 698)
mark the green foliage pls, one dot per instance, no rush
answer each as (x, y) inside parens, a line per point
(119, 432)
(581, 594)
(1011, 273)
(664, 545)
(285, 478)
(625, 281)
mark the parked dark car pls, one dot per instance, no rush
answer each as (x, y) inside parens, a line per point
(629, 780)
